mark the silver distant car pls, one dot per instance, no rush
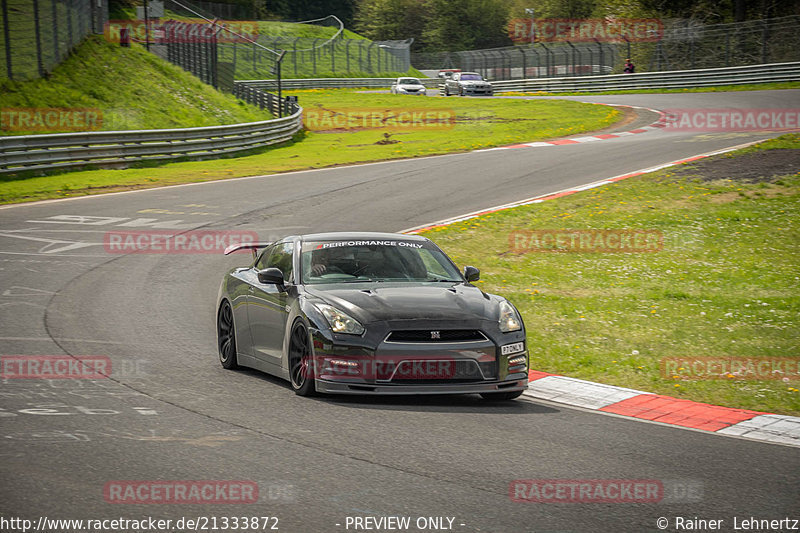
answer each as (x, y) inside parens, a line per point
(467, 84)
(408, 86)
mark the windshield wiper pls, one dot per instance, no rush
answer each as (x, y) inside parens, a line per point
(444, 280)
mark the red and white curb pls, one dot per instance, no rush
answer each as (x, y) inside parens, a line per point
(660, 123)
(744, 423)
(567, 192)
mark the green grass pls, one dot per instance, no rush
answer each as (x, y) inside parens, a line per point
(724, 285)
(133, 88)
(712, 89)
(479, 123)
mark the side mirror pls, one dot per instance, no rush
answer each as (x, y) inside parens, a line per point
(271, 275)
(471, 273)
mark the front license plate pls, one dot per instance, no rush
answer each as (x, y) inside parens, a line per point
(512, 348)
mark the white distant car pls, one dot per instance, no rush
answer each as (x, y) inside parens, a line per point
(408, 86)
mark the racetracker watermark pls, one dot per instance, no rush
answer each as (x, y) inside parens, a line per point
(181, 492)
(396, 367)
(624, 241)
(174, 242)
(174, 32)
(54, 367)
(586, 490)
(752, 119)
(726, 368)
(585, 30)
(363, 118)
(51, 119)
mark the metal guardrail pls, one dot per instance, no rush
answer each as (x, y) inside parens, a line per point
(677, 79)
(334, 83)
(114, 149)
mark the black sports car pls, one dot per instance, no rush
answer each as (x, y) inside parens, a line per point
(369, 313)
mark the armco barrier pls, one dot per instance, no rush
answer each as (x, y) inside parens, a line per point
(119, 148)
(334, 83)
(677, 79)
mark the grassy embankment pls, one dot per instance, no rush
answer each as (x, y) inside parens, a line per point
(132, 88)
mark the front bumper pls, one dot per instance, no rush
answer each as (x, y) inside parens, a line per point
(380, 365)
(478, 92)
(339, 387)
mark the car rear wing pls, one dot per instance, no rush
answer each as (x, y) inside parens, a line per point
(252, 246)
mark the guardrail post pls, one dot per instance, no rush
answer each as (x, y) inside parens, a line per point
(547, 53)
(39, 62)
(7, 40)
(56, 51)
(294, 55)
(314, 55)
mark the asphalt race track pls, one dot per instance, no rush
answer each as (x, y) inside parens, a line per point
(170, 412)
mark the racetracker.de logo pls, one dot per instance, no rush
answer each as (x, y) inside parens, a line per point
(586, 490)
(54, 367)
(363, 118)
(727, 368)
(174, 242)
(180, 492)
(175, 32)
(585, 30)
(624, 241)
(749, 119)
(51, 119)
(395, 368)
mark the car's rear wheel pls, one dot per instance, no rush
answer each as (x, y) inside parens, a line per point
(226, 337)
(501, 396)
(446, 90)
(461, 91)
(301, 365)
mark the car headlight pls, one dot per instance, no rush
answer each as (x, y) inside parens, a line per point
(339, 321)
(509, 319)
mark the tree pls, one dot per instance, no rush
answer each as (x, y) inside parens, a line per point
(392, 19)
(466, 24)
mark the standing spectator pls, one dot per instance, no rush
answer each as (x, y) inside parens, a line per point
(629, 67)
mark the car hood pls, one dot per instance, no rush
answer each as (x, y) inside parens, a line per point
(475, 82)
(410, 86)
(427, 301)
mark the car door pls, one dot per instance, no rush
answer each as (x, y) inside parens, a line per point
(267, 304)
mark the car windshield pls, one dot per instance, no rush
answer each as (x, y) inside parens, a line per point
(471, 77)
(409, 81)
(375, 260)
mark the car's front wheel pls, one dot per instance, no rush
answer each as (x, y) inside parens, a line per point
(226, 337)
(301, 365)
(501, 396)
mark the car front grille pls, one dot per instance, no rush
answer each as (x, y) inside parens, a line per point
(436, 336)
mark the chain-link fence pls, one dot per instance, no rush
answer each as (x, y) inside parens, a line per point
(685, 45)
(690, 45)
(526, 61)
(219, 51)
(38, 34)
